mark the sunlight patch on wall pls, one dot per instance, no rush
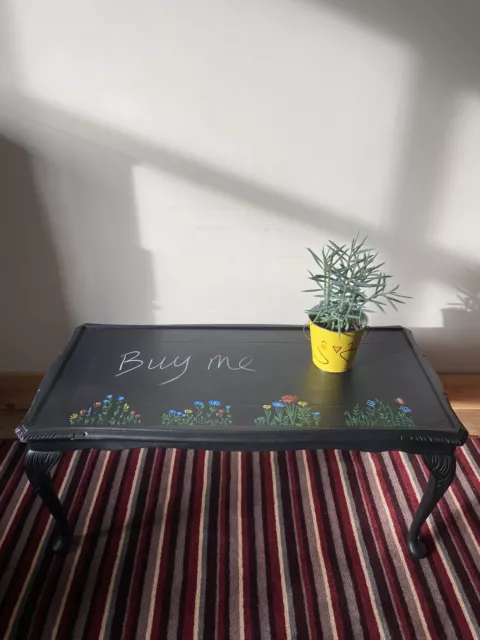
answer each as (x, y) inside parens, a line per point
(289, 95)
(216, 260)
(458, 213)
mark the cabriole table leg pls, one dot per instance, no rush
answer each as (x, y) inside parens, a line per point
(442, 472)
(37, 467)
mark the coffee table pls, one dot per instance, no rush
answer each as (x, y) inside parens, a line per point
(237, 388)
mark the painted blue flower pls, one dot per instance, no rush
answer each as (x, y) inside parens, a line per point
(315, 413)
(197, 403)
(278, 405)
(179, 413)
(405, 409)
(228, 407)
(214, 403)
(172, 411)
(104, 401)
(371, 403)
(90, 410)
(120, 398)
(184, 415)
(109, 397)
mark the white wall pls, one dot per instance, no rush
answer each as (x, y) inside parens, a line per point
(186, 152)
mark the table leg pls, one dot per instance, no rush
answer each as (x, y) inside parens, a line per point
(442, 472)
(37, 467)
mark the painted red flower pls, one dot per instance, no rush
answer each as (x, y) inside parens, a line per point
(83, 411)
(288, 399)
(97, 404)
(220, 411)
(132, 413)
(138, 415)
(399, 401)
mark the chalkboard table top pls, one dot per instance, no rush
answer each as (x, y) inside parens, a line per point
(237, 387)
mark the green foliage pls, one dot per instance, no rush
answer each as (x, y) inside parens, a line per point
(111, 411)
(211, 413)
(350, 283)
(288, 411)
(379, 414)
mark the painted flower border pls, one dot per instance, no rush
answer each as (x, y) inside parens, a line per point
(211, 413)
(378, 413)
(288, 411)
(110, 411)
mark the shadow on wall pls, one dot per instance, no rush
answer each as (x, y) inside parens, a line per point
(71, 254)
(456, 345)
(444, 39)
(33, 322)
(71, 250)
(91, 208)
(107, 274)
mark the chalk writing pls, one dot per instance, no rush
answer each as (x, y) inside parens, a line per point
(131, 361)
(160, 365)
(126, 361)
(242, 364)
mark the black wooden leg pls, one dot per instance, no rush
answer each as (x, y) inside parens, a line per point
(442, 472)
(37, 467)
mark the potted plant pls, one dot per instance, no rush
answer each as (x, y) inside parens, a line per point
(350, 284)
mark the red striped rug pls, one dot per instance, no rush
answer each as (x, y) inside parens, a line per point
(178, 544)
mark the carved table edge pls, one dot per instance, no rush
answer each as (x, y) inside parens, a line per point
(25, 436)
(456, 440)
(453, 440)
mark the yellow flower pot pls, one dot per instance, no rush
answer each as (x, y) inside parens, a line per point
(333, 352)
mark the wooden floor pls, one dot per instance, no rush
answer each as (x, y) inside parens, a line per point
(463, 391)
(9, 419)
(17, 391)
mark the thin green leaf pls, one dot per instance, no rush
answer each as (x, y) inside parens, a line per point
(349, 283)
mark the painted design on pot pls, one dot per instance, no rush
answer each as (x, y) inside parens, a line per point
(377, 413)
(212, 413)
(288, 411)
(321, 353)
(331, 351)
(110, 411)
(351, 349)
(323, 349)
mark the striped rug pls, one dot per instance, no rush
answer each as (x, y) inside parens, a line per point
(182, 544)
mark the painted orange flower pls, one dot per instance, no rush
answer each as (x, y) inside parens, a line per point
(288, 399)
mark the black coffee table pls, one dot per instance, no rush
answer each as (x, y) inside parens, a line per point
(235, 388)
